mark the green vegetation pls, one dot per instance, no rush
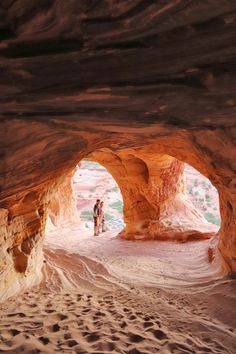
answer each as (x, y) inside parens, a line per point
(195, 183)
(208, 198)
(118, 205)
(86, 215)
(211, 218)
(92, 189)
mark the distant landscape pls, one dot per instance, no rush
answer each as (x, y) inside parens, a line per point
(203, 195)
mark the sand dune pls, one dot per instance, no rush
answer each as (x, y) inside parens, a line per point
(84, 305)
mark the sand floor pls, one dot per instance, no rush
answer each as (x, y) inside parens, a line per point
(105, 295)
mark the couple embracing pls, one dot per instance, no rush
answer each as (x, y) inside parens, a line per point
(98, 217)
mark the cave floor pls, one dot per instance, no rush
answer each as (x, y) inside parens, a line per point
(105, 295)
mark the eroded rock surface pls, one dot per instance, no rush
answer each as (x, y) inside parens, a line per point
(153, 189)
(80, 76)
(62, 209)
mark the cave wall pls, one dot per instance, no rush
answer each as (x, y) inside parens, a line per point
(79, 76)
(22, 223)
(59, 159)
(61, 209)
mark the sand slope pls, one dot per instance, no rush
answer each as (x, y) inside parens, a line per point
(83, 307)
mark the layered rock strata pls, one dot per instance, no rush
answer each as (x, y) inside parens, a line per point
(81, 76)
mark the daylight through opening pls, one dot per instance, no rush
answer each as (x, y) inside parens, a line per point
(92, 181)
(161, 198)
(203, 195)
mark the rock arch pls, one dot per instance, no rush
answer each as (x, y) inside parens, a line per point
(55, 152)
(116, 76)
(153, 190)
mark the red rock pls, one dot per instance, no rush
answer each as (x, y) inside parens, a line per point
(158, 80)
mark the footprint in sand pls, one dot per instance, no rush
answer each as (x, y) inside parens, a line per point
(115, 338)
(92, 337)
(49, 311)
(14, 332)
(67, 335)
(136, 351)
(147, 318)
(85, 333)
(62, 317)
(135, 338)
(126, 310)
(55, 328)
(71, 343)
(85, 311)
(123, 324)
(44, 340)
(158, 334)
(99, 313)
(148, 324)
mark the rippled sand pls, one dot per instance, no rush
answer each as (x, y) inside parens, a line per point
(105, 295)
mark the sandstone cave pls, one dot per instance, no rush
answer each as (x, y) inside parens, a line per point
(175, 214)
(140, 87)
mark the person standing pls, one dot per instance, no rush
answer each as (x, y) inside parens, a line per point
(102, 217)
(96, 214)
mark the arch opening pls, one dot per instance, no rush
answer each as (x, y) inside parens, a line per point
(147, 174)
(74, 200)
(91, 181)
(162, 197)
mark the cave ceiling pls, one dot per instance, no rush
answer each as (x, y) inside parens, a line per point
(169, 61)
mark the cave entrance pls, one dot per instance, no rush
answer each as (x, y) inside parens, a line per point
(160, 201)
(146, 196)
(163, 199)
(92, 181)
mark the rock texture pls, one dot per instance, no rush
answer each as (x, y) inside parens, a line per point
(79, 76)
(153, 189)
(62, 209)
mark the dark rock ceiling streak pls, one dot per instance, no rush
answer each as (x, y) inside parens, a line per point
(114, 59)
